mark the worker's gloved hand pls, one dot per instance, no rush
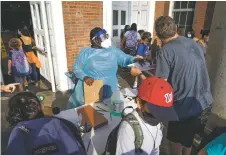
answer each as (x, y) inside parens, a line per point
(88, 80)
(140, 61)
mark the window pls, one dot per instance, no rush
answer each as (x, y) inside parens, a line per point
(123, 17)
(115, 33)
(183, 13)
(115, 17)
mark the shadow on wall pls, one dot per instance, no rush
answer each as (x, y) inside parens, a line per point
(209, 14)
(61, 99)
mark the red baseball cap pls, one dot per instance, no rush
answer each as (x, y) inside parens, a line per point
(158, 94)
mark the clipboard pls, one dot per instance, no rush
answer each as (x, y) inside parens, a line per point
(91, 117)
(94, 93)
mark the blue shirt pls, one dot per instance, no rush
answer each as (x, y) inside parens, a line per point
(217, 146)
(183, 64)
(142, 50)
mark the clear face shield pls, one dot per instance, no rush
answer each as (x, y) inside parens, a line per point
(102, 39)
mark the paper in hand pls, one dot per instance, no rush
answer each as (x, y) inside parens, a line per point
(146, 66)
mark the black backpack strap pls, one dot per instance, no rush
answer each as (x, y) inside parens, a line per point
(22, 42)
(139, 137)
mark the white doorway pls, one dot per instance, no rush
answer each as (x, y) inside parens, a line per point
(40, 22)
(140, 13)
(120, 17)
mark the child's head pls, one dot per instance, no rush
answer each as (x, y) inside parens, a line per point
(14, 44)
(141, 32)
(24, 106)
(146, 37)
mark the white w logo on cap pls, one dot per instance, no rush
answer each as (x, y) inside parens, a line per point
(168, 97)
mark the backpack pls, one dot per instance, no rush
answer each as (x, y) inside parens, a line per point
(45, 136)
(20, 64)
(132, 40)
(112, 138)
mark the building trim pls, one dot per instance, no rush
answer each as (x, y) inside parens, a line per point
(60, 45)
(171, 6)
(151, 20)
(180, 10)
(107, 16)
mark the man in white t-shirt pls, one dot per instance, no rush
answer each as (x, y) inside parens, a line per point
(131, 40)
(155, 99)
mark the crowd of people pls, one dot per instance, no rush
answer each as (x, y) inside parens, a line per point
(179, 93)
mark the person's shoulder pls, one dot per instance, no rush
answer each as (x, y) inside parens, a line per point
(176, 44)
(142, 45)
(85, 50)
(128, 32)
(125, 129)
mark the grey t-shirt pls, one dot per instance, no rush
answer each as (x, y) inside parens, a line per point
(182, 63)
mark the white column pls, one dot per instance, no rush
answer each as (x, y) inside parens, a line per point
(216, 59)
(171, 8)
(107, 16)
(60, 47)
(151, 20)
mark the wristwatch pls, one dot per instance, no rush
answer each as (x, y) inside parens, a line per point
(140, 74)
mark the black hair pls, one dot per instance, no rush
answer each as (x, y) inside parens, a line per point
(204, 32)
(134, 27)
(146, 35)
(126, 28)
(25, 31)
(140, 32)
(192, 32)
(181, 31)
(165, 27)
(24, 106)
(94, 31)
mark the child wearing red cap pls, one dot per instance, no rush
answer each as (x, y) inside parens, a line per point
(155, 100)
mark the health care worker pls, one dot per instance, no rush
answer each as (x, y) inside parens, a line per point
(98, 62)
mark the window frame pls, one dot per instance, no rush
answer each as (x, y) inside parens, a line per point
(186, 10)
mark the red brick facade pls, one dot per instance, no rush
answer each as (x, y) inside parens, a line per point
(161, 9)
(79, 19)
(199, 17)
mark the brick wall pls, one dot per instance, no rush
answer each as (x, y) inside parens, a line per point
(161, 9)
(199, 16)
(79, 19)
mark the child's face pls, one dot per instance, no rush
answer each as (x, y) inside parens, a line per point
(146, 41)
(141, 105)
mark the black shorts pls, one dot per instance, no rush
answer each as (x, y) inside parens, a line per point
(183, 132)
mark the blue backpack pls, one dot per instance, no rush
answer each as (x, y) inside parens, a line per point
(45, 136)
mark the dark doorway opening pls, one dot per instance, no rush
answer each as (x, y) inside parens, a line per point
(15, 15)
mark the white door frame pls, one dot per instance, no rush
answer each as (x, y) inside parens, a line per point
(43, 32)
(57, 32)
(151, 20)
(171, 6)
(107, 16)
(63, 83)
